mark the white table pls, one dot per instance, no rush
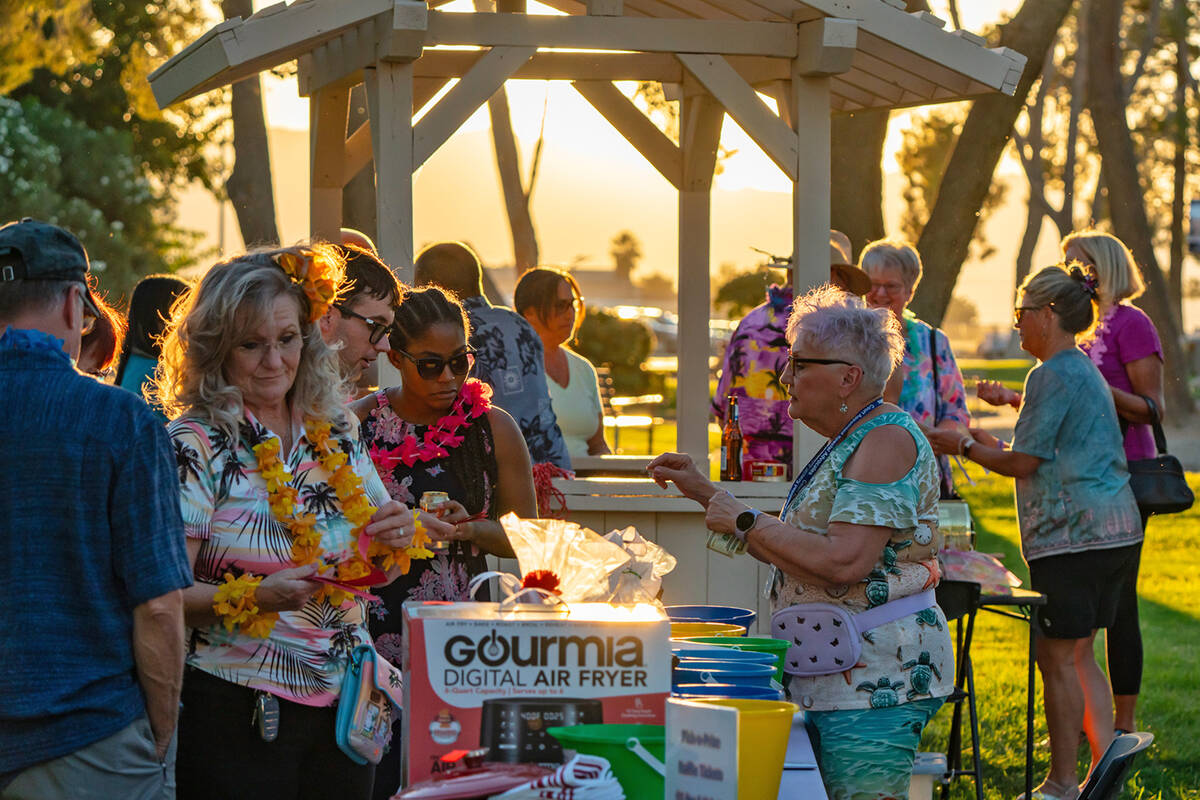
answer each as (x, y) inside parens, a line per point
(800, 776)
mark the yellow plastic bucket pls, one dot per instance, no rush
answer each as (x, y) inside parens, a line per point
(682, 630)
(763, 730)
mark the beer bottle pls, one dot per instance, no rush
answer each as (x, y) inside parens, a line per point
(731, 443)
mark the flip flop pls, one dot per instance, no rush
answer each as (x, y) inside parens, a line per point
(1049, 790)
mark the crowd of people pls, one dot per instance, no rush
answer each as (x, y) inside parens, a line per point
(204, 528)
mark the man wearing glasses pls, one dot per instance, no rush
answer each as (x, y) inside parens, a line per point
(358, 324)
(92, 543)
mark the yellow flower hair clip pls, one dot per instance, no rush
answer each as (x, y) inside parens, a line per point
(313, 272)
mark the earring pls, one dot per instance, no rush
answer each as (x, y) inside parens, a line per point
(843, 407)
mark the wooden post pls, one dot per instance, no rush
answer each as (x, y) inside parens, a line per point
(328, 111)
(389, 101)
(700, 133)
(810, 214)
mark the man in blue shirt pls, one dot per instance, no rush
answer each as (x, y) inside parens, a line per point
(508, 353)
(92, 554)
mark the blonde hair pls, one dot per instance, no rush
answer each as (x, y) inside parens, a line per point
(1066, 290)
(833, 322)
(1120, 278)
(893, 253)
(211, 319)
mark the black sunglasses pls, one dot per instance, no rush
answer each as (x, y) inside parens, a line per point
(431, 368)
(1020, 311)
(796, 361)
(377, 329)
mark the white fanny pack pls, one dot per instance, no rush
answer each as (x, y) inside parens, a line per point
(826, 639)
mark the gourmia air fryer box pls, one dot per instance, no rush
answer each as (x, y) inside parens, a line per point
(476, 676)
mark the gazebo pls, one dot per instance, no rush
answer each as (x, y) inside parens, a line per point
(813, 57)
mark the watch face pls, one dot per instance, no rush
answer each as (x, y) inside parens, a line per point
(745, 520)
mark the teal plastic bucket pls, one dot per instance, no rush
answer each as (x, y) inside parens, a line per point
(635, 752)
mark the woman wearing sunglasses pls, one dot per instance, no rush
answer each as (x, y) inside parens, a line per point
(438, 432)
(1080, 528)
(550, 299)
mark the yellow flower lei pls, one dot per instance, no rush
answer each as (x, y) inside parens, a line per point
(235, 599)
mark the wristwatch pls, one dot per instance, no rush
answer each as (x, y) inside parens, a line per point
(744, 522)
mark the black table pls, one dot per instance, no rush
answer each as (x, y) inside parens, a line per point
(1020, 605)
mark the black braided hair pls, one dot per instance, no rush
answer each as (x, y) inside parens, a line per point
(471, 462)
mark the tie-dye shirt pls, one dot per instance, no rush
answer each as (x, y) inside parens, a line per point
(909, 658)
(754, 360)
(225, 507)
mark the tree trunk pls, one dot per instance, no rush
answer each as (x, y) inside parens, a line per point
(358, 197)
(249, 184)
(516, 201)
(1178, 240)
(1033, 227)
(947, 235)
(855, 204)
(1106, 103)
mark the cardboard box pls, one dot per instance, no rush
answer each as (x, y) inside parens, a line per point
(475, 676)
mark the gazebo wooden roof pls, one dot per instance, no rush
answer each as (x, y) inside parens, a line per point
(814, 57)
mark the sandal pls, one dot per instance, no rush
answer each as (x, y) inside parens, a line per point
(1049, 790)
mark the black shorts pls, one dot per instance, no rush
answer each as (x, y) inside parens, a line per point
(1081, 589)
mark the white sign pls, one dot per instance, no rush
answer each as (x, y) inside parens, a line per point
(702, 751)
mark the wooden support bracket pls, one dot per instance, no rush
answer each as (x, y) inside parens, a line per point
(825, 46)
(630, 122)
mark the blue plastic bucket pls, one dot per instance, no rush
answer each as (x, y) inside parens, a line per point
(688, 691)
(742, 673)
(729, 615)
(724, 654)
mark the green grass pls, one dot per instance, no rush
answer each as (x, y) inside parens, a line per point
(1170, 619)
(1009, 371)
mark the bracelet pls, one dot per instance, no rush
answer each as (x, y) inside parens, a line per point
(964, 445)
(235, 603)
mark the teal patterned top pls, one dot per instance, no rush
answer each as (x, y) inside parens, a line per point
(913, 654)
(1079, 497)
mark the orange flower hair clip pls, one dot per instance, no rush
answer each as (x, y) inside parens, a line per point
(311, 271)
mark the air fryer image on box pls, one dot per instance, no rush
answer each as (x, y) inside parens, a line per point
(514, 728)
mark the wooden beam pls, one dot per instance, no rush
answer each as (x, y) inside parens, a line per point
(389, 101)
(810, 213)
(743, 104)
(612, 33)
(825, 46)
(630, 122)
(605, 8)
(357, 152)
(480, 83)
(328, 111)
(701, 118)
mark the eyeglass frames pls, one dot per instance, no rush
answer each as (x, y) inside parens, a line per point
(431, 368)
(563, 306)
(90, 312)
(1020, 311)
(377, 329)
(795, 361)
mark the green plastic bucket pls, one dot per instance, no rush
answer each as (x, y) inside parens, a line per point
(756, 644)
(636, 753)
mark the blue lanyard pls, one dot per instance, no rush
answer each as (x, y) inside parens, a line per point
(810, 469)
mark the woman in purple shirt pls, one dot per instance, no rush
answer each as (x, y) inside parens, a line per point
(1125, 347)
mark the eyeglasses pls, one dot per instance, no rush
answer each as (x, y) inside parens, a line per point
(796, 361)
(432, 368)
(90, 312)
(377, 329)
(1019, 312)
(887, 288)
(563, 306)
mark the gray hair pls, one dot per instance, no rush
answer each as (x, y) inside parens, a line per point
(895, 253)
(839, 324)
(210, 320)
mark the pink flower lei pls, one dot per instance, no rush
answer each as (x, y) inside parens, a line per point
(473, 401)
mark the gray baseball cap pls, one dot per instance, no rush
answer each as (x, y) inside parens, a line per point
(38, 251)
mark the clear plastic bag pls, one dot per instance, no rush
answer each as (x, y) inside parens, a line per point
(640, 580)
(581, 559)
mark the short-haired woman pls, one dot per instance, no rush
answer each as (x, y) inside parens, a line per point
(99, 347)
(276, 492)
(1080, 528)
(858, 532)
(928, 383)
(552, 302)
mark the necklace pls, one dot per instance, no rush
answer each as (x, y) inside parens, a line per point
(473, 401)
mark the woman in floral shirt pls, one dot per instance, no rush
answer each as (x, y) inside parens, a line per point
(941, 403)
